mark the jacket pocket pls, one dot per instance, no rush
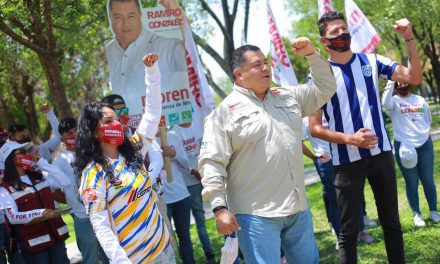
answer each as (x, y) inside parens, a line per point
(248, 125)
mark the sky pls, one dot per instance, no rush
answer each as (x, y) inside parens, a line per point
(258, 32)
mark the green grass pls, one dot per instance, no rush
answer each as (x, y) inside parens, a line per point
(421, 245)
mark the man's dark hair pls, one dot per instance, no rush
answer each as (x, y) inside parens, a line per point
(66, 124)
(113, 99)
(16, 128)
(110, 3)
(327, 18)
(238, 58)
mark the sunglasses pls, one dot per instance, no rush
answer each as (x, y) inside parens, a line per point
(122, 111)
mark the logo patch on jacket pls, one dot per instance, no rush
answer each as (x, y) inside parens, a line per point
(134, 195)
(89, 195)
(367, 70)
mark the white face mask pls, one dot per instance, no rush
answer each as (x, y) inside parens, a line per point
(230, 250)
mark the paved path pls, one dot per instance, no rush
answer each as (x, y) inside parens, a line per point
(311, 177)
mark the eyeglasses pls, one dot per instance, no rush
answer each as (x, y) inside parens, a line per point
(122, 111)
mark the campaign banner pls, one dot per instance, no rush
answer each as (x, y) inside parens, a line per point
(202, 101)
(324, 6)
(157, 30)
(282, 71)
(364, 38)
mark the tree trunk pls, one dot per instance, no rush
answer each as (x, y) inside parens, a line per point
(52, 70)
(436, 72)
(29, 105)
(5, 113)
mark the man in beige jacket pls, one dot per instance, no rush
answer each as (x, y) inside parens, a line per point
(251, 156)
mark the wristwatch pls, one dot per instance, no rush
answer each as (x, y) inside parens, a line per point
(218, 208)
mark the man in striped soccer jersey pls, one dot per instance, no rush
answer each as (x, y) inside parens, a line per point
(360, 145)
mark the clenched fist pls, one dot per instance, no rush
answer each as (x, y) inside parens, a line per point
(404, 28)
(150, 59)
(302, 46)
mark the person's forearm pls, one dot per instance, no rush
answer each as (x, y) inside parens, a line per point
(55, 177)
(414, 66)
(322, 76)
(387, 97)
(321, 87)
(53, 122)
(108, 240)
(307, 152)
(326, 134)
(153, 103)
(17, 218)
(213, 183)
(156, 164)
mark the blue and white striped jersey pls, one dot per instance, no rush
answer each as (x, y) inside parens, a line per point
(356, 104)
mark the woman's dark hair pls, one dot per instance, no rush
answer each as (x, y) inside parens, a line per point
(12, 177)
(88, 148)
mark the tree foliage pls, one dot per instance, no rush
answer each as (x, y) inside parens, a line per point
(382, 14)
(61, 40)
(225, 21)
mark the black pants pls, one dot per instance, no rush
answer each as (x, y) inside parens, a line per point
(349, 183)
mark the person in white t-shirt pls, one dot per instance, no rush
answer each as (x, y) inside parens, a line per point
(191, 175)
(176, 195)
(414, 150)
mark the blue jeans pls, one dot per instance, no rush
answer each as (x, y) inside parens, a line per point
(87, 242)
(199, 216)
(327, 175)
(260, 238)
(180, 213)
(424, 170)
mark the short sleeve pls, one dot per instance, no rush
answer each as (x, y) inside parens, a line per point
(385, 66)
(93, 189)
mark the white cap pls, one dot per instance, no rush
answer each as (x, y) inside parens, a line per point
(408, 155)
(10, 146)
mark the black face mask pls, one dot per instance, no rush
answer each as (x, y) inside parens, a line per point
(403, 90)
(340, 43)
(24, 140)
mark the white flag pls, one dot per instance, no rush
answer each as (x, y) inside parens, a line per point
(364, 37)
(282, 71)
(202, 101)
(324, 6)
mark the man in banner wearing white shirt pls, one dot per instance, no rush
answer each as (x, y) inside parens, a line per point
(249, 157)
(125, 52)
(359, 142)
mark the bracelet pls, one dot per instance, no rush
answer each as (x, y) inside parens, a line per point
(408, 40)
(218, 208)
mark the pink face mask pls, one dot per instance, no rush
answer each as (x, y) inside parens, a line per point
(111, 134)
(70, 141)
(24, 161)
